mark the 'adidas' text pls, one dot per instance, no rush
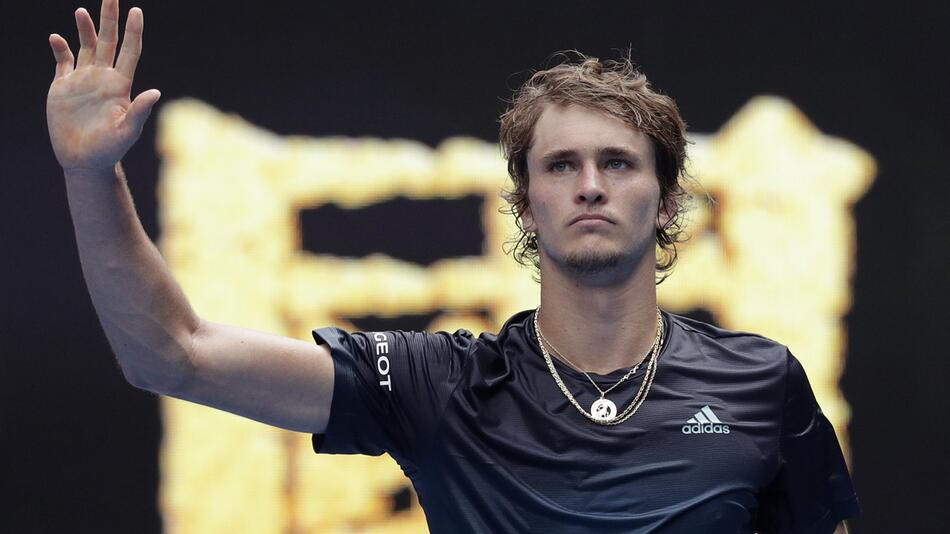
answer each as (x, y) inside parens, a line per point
(705, 422)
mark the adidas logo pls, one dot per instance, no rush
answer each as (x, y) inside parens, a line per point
(705, 422)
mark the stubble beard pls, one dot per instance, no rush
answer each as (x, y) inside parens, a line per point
(590, 263)
(598, 264)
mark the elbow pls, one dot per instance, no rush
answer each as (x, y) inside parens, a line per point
(164, 383)
(168, 373)
(140, 381)
(154, 353)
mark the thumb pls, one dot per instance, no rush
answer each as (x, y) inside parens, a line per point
(141, 108)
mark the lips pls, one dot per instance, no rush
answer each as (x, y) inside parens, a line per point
(590, 217)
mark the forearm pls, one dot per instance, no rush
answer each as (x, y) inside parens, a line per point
(145, 314)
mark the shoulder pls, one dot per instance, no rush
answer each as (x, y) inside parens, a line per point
(516, 329)
(727, 346)
(432, 346)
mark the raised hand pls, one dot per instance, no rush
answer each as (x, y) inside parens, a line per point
(92, 121)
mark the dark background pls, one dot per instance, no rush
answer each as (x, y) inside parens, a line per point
(79, 446)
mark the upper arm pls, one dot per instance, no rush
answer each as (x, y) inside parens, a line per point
(391, 389)
(812, 490)
(273, 379)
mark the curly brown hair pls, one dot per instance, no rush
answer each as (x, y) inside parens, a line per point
(618, 88)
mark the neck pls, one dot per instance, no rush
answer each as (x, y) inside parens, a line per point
(599, 327)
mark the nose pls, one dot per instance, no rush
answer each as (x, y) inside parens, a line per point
(590, 186)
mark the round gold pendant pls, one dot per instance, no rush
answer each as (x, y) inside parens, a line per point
(603, 410)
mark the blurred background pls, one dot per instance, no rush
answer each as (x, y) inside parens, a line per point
(81, 450)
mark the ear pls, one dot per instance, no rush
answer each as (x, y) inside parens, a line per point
(665, 212)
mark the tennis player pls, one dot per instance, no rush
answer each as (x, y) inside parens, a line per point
(595, 412)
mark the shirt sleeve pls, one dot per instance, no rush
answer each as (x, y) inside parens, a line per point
(812, 492)
(390, 389)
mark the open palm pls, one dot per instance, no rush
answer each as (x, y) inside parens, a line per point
(92, 121)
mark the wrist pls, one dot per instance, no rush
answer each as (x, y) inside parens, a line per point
(86, 173)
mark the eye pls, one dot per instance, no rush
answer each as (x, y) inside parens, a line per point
(618, 164)
(560, 166)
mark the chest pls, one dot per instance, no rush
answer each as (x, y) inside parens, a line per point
(687, 443)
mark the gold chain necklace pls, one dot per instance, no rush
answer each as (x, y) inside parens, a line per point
(603, 392)
(603, 411)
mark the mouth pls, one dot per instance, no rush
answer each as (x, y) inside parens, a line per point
(590, 219)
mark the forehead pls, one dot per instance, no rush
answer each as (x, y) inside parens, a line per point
(582, 129)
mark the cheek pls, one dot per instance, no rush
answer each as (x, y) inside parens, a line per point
(533, 213)
(527, 217)
(650, 198)
(647, 208)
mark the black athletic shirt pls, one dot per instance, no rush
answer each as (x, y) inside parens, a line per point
(492, 445)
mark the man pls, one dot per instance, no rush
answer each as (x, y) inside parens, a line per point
(597, 413)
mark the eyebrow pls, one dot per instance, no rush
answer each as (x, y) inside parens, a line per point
(567, 153)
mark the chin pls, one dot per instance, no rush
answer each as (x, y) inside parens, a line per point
(596, 260)
(592, 262)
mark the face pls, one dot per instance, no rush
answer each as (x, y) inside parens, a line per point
(593, 193)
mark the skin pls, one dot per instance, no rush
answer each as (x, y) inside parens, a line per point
(597, 276)
(161, 344)
(90, 93)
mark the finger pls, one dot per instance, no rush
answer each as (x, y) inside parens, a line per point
(63, 55)
(87, 38)
(140, 109)
(131, 44)
(108, 33)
